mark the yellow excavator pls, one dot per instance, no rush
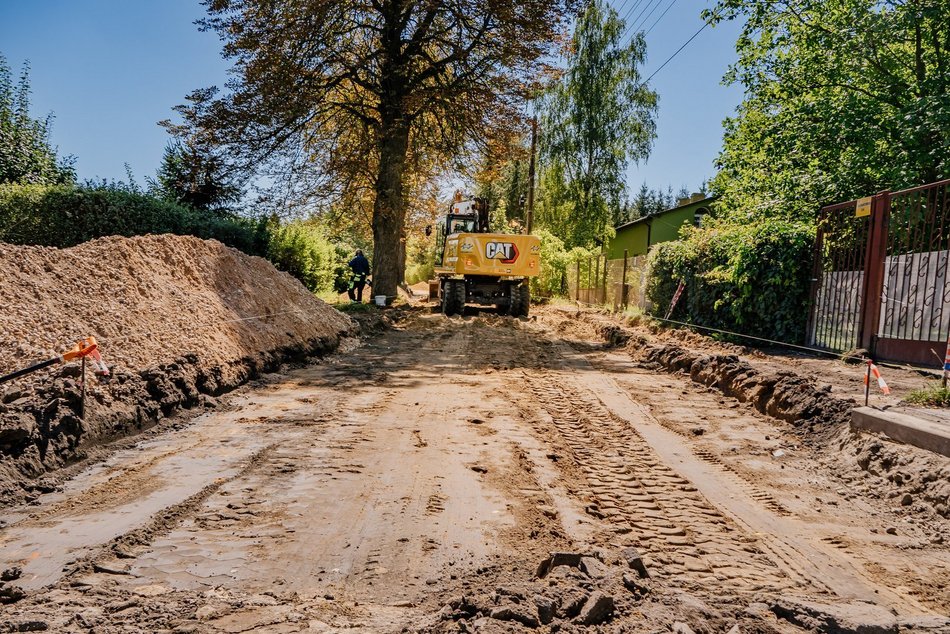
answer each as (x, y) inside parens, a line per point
(474, 266)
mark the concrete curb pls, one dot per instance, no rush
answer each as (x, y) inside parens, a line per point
(911, 430)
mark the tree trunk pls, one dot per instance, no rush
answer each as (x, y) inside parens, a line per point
(389, 211)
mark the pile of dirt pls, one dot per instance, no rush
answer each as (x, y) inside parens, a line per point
(178, 320)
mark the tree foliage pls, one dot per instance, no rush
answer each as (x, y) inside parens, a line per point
(594, 120)
(348, 96)
(843, 98)
(26, 155)
(303, 249)
(66, 215)
(195, 176)
(648, 201)
(502, 181)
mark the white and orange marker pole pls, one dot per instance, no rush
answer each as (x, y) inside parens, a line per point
(872, 369)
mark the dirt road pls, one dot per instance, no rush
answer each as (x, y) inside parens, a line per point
(416, 482)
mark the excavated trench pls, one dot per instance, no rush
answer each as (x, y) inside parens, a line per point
(818, 417)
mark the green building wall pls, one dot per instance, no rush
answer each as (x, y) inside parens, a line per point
(638, 236)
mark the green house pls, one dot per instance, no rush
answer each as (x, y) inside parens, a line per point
(637, 236)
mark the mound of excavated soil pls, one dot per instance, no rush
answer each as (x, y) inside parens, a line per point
(179, 320)
(151, 299)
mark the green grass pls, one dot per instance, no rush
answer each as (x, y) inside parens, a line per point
(934, 395)
(349, 307)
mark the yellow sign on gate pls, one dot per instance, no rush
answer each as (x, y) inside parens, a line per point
(864, 207)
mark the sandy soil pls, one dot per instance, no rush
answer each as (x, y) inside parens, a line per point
(418, 482)
(179, 322)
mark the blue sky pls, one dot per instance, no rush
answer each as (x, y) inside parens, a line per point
(110, 69)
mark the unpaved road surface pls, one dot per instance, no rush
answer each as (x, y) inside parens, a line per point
(417, 481)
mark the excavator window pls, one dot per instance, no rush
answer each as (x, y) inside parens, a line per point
(461, 225)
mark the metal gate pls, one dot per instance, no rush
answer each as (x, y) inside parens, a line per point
(838, 280)
(881, 275)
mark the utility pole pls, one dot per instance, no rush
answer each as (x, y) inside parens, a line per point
(534, 144)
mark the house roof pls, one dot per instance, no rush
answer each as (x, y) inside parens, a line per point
(708, 199)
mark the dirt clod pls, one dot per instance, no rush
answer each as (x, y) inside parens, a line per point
(598, 608)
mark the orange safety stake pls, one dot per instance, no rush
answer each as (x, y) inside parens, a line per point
(877, 375)
(86, 348)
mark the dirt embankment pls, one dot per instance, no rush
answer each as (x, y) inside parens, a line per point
(813, 399)
(179, 321)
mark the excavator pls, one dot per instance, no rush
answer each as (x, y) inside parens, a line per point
(475, 266)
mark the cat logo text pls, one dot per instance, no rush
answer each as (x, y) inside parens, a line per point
(507, 252)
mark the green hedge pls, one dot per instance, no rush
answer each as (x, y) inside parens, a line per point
(304, 250)
(752, 279)
(66, 215)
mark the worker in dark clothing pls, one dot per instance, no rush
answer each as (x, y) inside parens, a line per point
(359, 269)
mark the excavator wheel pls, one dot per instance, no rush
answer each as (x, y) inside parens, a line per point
(520, 300)
(453, 297)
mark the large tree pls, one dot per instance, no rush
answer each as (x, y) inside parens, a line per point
(843, 98)
(595, 119)
(349, 93)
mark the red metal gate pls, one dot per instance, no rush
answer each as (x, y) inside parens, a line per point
(881, 279)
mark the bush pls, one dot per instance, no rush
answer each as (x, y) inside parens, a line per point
(303, 249)
(66, 215)
(752, 279)
(420, 259)
(556, 262)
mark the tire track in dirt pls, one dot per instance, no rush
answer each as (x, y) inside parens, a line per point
(783, 539)
(684, 538)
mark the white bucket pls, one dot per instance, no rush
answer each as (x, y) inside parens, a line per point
(380, 300)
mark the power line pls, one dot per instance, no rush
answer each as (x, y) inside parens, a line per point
(621, 7)
(637, 19)
(670, 58)
(665, 11)
(646, 18)
(630, 12)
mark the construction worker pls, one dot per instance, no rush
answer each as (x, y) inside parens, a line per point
(359, 269)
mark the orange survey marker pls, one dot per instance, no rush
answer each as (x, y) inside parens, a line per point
(86, 348)
(877, 375)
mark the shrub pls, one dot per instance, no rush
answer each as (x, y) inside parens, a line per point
(556, 264)
(420, 272)
(66, 215)
(554, 260)
(303, 249)
(752, 279)
(420, 259)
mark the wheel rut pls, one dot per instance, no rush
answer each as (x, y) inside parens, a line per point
(696, 519)
(684, 538)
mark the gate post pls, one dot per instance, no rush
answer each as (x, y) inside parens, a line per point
(596, 280)
(817, 271)
(623, 283)
(874, 270)
(577, 285)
